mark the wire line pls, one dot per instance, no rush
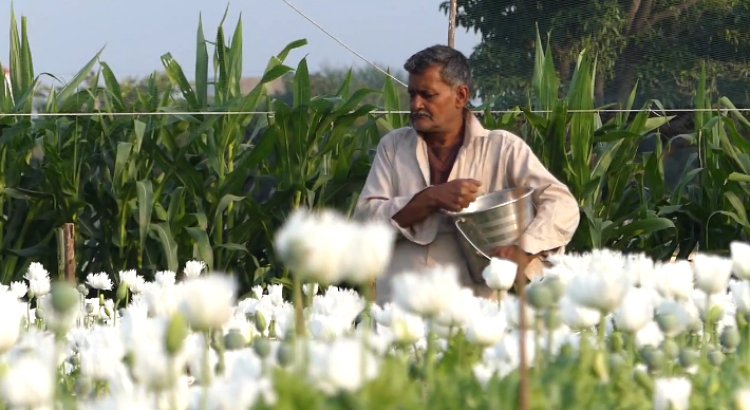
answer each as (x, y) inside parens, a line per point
(342, 43)
(374, 112)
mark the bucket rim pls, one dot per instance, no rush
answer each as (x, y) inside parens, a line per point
(528, 192)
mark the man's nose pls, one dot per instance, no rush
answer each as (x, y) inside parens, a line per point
(417, 103)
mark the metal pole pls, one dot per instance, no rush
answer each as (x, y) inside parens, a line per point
(452, 24)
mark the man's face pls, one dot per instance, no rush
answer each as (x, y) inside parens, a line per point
(436, 106)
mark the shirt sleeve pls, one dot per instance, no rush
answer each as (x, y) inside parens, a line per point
(379, 198)
(557, 211)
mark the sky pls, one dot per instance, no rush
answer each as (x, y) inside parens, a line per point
(134, 34)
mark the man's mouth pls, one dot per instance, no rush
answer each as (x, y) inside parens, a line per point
(419, 115)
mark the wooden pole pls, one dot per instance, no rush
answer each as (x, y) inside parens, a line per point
(452, 24)
(69, 238)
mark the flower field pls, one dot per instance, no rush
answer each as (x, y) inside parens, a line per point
(602, 329)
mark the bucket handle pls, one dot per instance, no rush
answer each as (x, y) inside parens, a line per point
(457, 222)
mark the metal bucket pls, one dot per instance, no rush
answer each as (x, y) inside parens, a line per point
(492, 220)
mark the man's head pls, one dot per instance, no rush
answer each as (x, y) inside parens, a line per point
(439, 89)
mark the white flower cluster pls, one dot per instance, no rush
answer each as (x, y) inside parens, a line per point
(324, 247)
(180, 344)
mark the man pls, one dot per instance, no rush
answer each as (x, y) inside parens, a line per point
(443, 162)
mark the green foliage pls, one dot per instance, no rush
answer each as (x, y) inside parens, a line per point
(659, 45)
(148, 190)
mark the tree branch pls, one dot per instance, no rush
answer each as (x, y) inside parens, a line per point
(671, 12)
(634, 6)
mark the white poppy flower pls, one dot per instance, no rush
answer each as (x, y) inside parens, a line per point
(577, 316)
(427, 293)
(257, 291)
(152, 366)
(310, 289)
(678, 316)
(18, 289)
(161, 300)
(486, 330)
(483, 372)
(741, 295)
(38, 277)
(672, 393)
(407, 328)
(711, 273)
(742, 399)
(99, 281)
(602, 283)
(133, 280)
(193, 268)
(101, 353)
(500, 274)
(674, 279)
(460, 313)
(315, 245)
(28, 383)
(740, 259)
(10, 325)
(207, 301)
(369, 252)
(342, 366)
(635, 311)
(165, 277)
(640, 270)
(649, 335)
(36, 271)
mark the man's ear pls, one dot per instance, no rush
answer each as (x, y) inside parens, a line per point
(462, 95)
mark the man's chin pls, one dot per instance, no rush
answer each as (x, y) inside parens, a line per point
(421, 124)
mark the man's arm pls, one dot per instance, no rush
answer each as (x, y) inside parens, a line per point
(451, 196)
(557, 211)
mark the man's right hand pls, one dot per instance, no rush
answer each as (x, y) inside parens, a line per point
(451, 196)
(455, 195)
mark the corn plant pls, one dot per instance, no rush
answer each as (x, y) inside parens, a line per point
(597, 160)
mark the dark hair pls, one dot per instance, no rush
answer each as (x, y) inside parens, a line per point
(455, 66)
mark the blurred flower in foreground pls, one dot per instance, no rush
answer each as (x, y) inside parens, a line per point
(500, 274)
(10, 325)
(635, 311)
(602, 285)
(427, 293)
(671, 393)
(327, 248)
(740, 259)
(343, 365)
(207, 301)
(674, 280)
(28, 383)
(711, 273)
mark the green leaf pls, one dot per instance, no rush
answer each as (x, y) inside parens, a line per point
(177, 77)
(201, 66)
(168, 244)
(640, 227)
(145, 195)
(301, 89)
(202, 246)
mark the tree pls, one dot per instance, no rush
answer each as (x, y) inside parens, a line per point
(659, 44)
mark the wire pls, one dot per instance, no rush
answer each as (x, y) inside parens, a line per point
(374, 112)
(343, 44)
